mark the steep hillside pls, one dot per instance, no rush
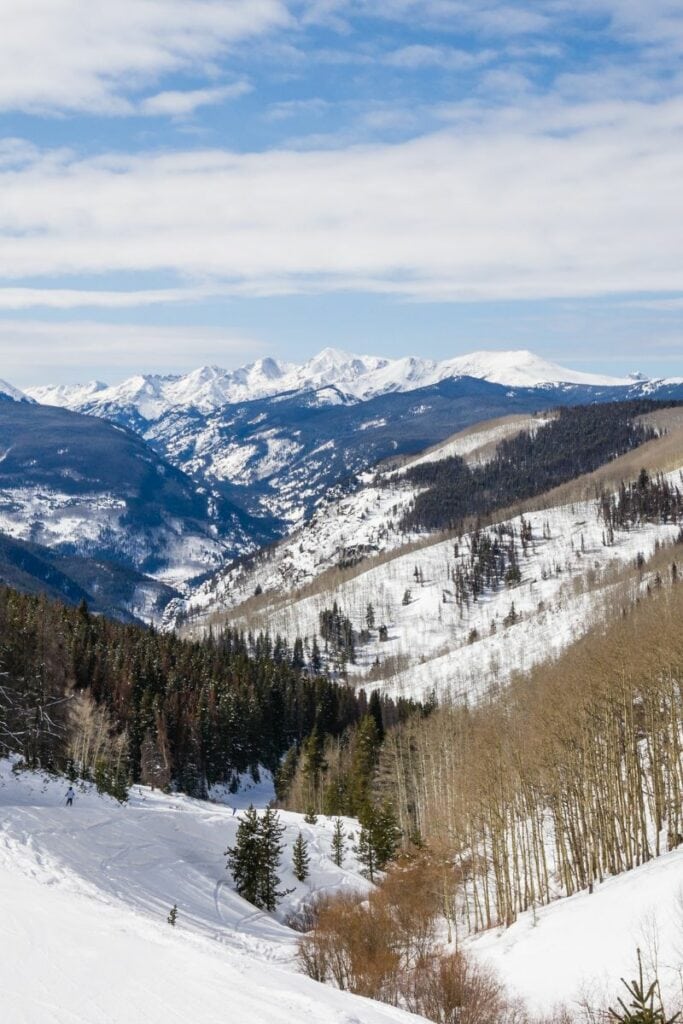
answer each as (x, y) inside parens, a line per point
(576, 950)
(459, 613)
(83, 487)
(277, 457)
(107, 587)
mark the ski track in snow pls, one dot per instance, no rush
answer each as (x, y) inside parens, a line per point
(85, 893)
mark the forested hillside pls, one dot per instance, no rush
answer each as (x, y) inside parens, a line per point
(92, 696)
(577, 441)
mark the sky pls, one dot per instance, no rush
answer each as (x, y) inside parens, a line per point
(211, 181)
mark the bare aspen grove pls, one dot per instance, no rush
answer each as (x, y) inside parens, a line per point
(572, 774)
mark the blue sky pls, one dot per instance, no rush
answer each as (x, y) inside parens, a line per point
(190, 181)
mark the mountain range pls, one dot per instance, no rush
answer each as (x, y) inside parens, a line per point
(354, 377)
(168, 478)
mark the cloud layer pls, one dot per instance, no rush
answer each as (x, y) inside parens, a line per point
(544, 201)
(87, 55)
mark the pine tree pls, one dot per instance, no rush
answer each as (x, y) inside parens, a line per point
(370, 616)
(365, 851)
(316, 657)
(284, 776)
(385, 834)
(338, 844)
(300, 859)
(173, 915)
(310, 817)
(642, 1008)
(375, 709)
(270, 833)
(363, 765)
(245, 857)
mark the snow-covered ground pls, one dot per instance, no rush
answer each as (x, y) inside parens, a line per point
(433, 642)
(346, 526)
(579, 947)
(85, 893)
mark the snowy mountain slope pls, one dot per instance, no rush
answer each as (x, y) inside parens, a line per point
(273, 437)
(85, 894)
(353, 552)
(361, 377)
(9, 393)
(82, 486)
(348, 525)
(277, 457)
(579, 947)
(435, 644)
(477, 444)
(108, 588)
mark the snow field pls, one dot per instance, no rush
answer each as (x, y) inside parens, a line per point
(433, 643)
(86, 891)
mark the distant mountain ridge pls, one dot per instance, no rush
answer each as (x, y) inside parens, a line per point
(354, 377)
(273, 436)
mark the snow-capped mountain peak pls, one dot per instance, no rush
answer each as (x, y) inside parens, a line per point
(523, 368)
(360, 377)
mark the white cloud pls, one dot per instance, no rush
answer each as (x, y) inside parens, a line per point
(287, 109)
(179, 103)
(524, 202)
(68, 55)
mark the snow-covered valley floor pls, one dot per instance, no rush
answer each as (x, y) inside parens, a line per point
(85, 893)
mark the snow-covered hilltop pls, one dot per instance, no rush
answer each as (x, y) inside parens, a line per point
(356, 377)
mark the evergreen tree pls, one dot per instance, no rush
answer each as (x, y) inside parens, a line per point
(270, 833)
(375, 709)
(645, 1006)
(370, 616)
(300, 859)
(284, 776)
(338, 843)
(245, 857)
(363, 765)
(310, 817)
(173, 915)
(316, 657)
(365, 851)
(313, 762)
(385, 833)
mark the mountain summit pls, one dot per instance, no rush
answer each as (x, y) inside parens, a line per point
(358, 377)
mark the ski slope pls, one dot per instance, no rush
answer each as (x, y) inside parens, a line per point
(85, 893)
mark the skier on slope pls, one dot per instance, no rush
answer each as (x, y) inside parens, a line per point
(70, 796)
